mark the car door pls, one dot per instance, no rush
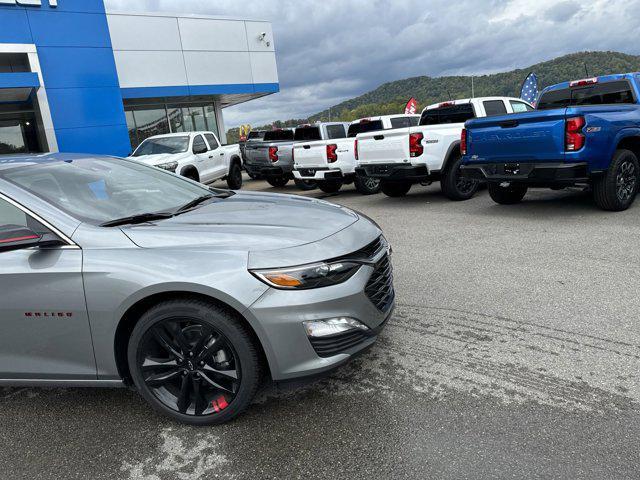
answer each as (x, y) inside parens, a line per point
(44, 326)
(203, 158)
(220, 160)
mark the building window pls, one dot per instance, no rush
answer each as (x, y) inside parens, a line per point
(144, 121)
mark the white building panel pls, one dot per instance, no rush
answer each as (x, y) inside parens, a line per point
(213, 35)
(254, 36)
(150, 69)
(141, 32)
(218, 68)
(264, 67)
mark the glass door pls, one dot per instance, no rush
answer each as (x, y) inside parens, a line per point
(18, 134)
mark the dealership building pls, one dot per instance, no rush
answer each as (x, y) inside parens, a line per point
(75, 77)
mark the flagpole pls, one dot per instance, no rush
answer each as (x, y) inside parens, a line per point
(473, 88)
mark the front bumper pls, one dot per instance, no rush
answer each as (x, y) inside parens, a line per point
(318, 173)
(533, 174)
(280, 313)
(395, 172)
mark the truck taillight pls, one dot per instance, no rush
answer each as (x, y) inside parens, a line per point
(355, 149)
(273, 154)
(415, 144)
(463, 142)
(332, 156)
(574, 137)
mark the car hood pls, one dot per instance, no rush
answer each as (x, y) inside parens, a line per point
(248, 222)
(161, 158)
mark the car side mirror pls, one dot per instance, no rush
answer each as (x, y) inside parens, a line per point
(16, 237)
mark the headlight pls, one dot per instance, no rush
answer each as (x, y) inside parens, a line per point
(171, 166)
(308, 276)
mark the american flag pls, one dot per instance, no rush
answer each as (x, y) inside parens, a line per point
(529, 92)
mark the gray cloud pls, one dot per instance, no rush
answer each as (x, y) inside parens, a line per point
(331, 50)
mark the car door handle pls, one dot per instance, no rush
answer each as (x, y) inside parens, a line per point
(222, 154)
(379, 137)
(509, 124)
(210, 156)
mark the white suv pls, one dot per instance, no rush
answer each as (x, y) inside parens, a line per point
(195, 155)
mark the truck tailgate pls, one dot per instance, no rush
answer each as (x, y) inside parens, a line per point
(536, 136)
(387, 146)
(312, 154)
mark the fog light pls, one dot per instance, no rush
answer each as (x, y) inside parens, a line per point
(332, 326)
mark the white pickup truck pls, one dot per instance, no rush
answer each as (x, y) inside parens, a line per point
(195, 155)
(429, 152)
(332, 163)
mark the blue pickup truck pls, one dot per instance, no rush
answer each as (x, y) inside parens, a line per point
(582, 133)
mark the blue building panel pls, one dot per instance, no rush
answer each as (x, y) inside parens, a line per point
(52, 28)
(98, 140)
(83, 67)
(86, 107)
(14, 26)
(19, 80)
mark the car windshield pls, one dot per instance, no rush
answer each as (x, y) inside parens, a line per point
(101, 190)
(158, 146)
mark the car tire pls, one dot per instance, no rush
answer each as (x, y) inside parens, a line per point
(395, 189)
(510, 195)
(330, 186)
(277, 182)
(617, 189)
(453, 185)
(192, 349)
(234, 179)
(368, 185)
(305, 185)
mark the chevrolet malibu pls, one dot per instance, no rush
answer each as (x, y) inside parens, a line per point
(114, 273)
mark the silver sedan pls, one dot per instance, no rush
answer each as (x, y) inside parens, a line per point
(114, 273)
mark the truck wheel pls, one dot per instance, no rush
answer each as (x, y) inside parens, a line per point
(395, 189)
(277, 182)
(234, 180)
(305, 185)
(510, 195)
(617, 188)
(367, 185)
(330, 186)
(455, 186)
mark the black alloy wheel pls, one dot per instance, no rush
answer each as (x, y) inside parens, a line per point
(194, 361)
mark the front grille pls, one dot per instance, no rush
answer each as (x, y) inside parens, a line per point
(379, 289)
(370, 250)
(335, 344)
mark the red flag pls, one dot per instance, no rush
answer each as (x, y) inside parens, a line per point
(412, 107)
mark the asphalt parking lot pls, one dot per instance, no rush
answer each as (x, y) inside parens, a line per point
(514, 352)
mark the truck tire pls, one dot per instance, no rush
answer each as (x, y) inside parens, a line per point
(453, 185)
(367, 185)
(305, 185)
(510, 195)
(234, 179)
(330, 186)
(617, 188)
(277, 182)
(395, 189)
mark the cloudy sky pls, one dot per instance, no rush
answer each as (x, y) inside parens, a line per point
(332, 50)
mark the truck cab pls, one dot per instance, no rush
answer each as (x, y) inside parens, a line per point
(430, 151)
(331, 163)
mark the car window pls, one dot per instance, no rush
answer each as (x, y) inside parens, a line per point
(494, 107)
(335, 131)
(213, 143)
(198, 144)
(278, 135)
(519, 107)
(158, 146)
(606, 93)
(364, 126)
(450, 113)
(98, 190)
(12, 215)
(306, 134)
(404, 122)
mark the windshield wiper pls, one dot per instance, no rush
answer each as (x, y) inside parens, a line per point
(141, 218)
(194, 203)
